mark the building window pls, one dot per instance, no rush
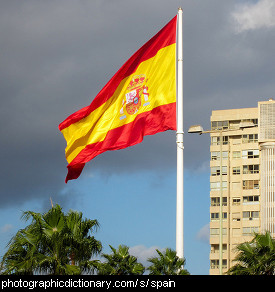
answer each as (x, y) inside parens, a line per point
(251, 138)
(215, 170)
(236, 216)
(236, 170)
(236, 154)
(235, 124)
(250, 184)
(216, 231)
(250, 215)
(248, 154)
(219, 125)
(215, 155)
(214, 264)
(254, 121)
(215, 201)
(216, 247)
(251, 169)
(215, 186)
(216, 216)
(236, 201)
(250, 200)
(249, 231)
(216, 140)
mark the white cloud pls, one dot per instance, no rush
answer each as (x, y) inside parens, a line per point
(250, 16)
(142, 253)
(203, 167)
(6, 228)
(203, 234)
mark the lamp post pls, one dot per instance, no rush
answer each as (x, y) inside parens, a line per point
(199, 130)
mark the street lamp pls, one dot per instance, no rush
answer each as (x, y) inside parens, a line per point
(198, 129)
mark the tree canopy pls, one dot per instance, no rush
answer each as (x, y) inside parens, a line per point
(256, 257)
(53, 243)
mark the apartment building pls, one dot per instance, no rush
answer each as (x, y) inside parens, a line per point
(242, 173)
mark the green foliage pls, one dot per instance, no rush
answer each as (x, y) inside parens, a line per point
(54, 243)
(167, 263)
(120, 262)
(256, 257)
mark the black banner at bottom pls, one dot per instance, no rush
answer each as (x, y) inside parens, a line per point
(110, 283)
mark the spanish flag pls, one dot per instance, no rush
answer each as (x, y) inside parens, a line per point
(139, 100)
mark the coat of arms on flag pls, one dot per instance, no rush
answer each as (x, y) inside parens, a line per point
(121, 114)
(136, 95)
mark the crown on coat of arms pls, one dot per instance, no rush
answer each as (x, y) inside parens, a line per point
(135, 90)
(136, 82)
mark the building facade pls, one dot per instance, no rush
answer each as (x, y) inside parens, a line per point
(242, 173)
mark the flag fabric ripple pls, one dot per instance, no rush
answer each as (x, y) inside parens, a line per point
(139, 100)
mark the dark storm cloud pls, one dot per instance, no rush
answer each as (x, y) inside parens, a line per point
(55, 56)
(223, 68)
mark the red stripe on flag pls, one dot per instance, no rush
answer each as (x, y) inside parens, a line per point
(160, 119)
(165, 37)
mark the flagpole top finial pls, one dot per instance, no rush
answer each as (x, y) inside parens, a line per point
(179, 8)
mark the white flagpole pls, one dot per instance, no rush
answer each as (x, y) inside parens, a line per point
(179, 216)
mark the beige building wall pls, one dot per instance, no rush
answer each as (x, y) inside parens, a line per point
(241, 182)
(266, 112)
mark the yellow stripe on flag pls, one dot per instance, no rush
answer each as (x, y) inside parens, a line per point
(156, 74)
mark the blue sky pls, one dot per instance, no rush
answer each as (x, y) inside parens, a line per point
(137, 210)
(57, 55)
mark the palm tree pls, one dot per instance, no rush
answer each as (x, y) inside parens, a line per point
(82, 244)
(21, 257)
(120, 262)
(54, 243)
(256, 257)
(168, 263)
